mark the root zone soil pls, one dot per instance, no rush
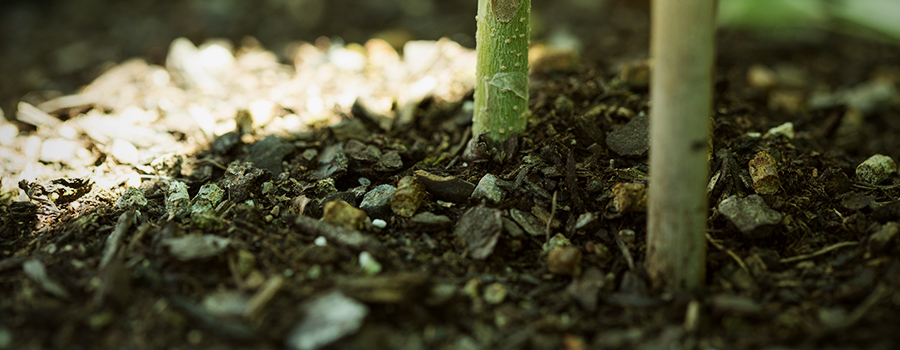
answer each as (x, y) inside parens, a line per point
(547, 253)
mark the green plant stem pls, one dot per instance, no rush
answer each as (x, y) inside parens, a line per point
(682, 48)
(501, 89)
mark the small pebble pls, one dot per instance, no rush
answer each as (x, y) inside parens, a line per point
(627, 236)
(262, 112)
(207, 198)
(133, 198)
(489, 190)
(377, 203)
(124, 152)
(269, 152)
(565, 261)
(750, 215)
(368, 263)
(528, 221)
(558, 240)
(267, 187)
(447, 188)
(786, 130)
(321, 241)
(495, 293)
(632, 139)
(379, 223)
(636, 74)
(177, 200)
(629, 197)
(341, 213)
(57, 150)
(761, 77)
(8, 133)
(430, 222)
(480, 228)
(328, 318)
(586, 221)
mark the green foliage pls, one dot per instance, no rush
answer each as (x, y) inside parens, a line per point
(871, 18)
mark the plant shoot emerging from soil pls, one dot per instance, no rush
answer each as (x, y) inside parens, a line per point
(682, 34)
(501, 89)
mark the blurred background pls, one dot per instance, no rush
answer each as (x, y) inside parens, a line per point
(52, 47)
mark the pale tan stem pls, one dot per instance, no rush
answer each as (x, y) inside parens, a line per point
(682, 49)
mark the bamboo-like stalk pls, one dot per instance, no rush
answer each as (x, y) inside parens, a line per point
(501, 89)
(682, 48)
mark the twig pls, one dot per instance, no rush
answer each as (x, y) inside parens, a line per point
(729, 252)
(622, 247)
(114, 240)
(12, 262)
(552, 215)
(879, 293)
(625, 252)
(263, 296)
(141, 232)
(868, 186)
(691, 315)
(822, 251)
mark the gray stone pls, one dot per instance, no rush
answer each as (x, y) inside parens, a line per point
(750, 215)
(495, 293)
(241, 179)
(529, 222)
(390, 161)
(489, 190)
(430, 222)
(356, 150)
(124, 152)
(328, 318)
(207, 198)
(446, 188)
(226, 303)
(332, 161)
(268, 154)
(631, 140)
(513, 228)
(735, 304)
(586, 221)
(196, 247)
(856, 201)
(350, 129)
(178, 200)
(480, 228)
(377, 203)
(58, 150)
(133, 198)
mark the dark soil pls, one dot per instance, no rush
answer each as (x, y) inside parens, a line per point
(101, 249)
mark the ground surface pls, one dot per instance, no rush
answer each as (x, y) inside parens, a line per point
(86, 263)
